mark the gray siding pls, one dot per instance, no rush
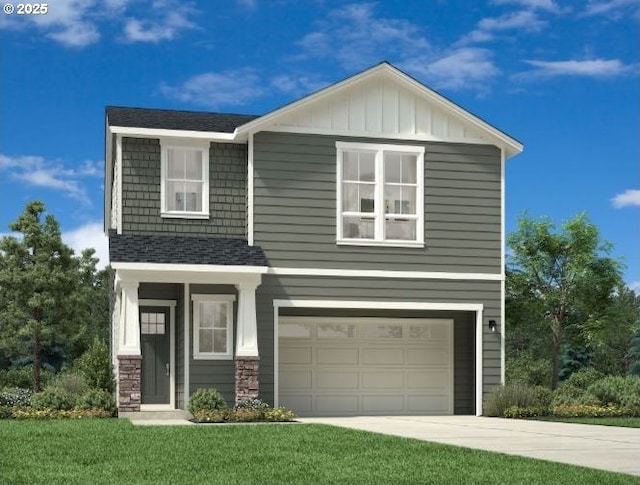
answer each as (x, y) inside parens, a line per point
(374, 289)
(295, 207)
(141, 191)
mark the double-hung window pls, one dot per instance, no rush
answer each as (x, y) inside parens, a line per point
(380, 194)
(212, 326)
(184, 188)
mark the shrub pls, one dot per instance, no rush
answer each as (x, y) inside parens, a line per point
(75, 413)
(527, 412)
(206, 400)
(6, 412)
(95, 366)
(23, 377)
(211, 415)
(279, 415)
(587, 410)
(529, 371)
(71, 382)
(251, 404)
(583, 378)
(15, 397)
(53, 398)
(618, 391)
(96, 399)
(511, 395)
(568, 395)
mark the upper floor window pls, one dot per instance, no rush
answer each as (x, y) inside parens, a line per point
(184, 188)
(380, 194)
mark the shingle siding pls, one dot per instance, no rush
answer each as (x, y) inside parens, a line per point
(141, 192)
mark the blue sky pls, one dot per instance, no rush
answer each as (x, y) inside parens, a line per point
(562, 77)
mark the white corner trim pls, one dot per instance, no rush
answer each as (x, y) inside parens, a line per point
(386, 305)
(186, 327)
(479, 360)
(250, 190)
(119, 188)
(503, 263)
(372, 273)
(171, 304)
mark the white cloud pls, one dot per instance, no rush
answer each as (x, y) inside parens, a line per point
(354, 37)
(594, 68)
(548, 5)
(70, 22)
(215, 89)
(52, 174)
(611, 8)
(486, 29)
(167, 20)
(463, 68)
(248, 4)
(297, 84)
(635, 286)
(626, 199)
(90, 235)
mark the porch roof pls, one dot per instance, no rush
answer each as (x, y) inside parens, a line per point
(139, 248)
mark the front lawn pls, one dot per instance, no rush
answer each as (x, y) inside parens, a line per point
(116, 452)
(621, 421)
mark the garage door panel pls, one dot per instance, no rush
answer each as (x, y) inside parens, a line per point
(334, 356)
(336, 380)
(337, 404)
(289, 355)
(433, 404)
(382, 380)
(422, 379)
(382, 356)
(301, 403)
(424, 357)
(383, 404)
(295, 379)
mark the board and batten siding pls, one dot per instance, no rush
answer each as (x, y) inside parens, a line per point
(141, 192)
(486, 293)
(295, 207)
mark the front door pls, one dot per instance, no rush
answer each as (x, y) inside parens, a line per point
(154, 343)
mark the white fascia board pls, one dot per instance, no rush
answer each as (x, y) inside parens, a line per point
(188, 273)
(357, 273)
(162, 133)
(381, 305)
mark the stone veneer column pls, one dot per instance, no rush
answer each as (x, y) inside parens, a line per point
(129, 383)
(247, 384)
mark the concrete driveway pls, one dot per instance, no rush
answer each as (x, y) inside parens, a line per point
(604, 447)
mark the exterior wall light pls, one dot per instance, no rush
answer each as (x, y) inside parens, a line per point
(493, 325)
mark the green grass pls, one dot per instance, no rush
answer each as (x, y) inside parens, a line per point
(624, 422)
(115, 452)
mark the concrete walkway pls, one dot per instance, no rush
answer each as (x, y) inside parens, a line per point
(608, 448)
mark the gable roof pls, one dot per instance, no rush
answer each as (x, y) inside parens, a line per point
(175, 120)
(386, 103)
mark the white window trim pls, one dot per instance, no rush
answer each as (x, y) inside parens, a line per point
(197, 355)
(379, 220)
(204, 149)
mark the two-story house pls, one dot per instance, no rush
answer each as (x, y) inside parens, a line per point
(341, 255)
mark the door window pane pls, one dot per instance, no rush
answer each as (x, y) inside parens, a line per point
(382, 331)
(294, 330)
(336, 331)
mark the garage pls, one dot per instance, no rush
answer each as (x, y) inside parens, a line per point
(331, 366)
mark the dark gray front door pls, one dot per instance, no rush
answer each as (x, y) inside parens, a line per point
(154, 341)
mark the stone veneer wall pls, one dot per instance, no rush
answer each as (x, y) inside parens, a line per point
(129, 396)
(247, 384)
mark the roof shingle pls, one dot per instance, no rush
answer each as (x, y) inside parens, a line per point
(175, 120)
(137, 248)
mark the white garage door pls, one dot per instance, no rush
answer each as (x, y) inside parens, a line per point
(358, 366)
